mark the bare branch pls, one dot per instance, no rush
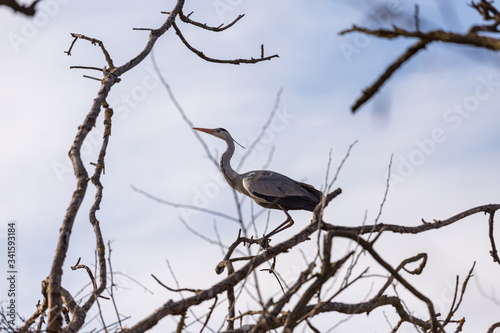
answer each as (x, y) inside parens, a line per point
(471, 38)
(329, 186)
(40, 309)
(367, 307)
(220, 28)
(360, 230)
(374, 88)
(173, 289)
(200, 235)
(220, 61)
(488, 12)
(454, 304)
(432, 36)
(178, 205)
(94, 42)
(415, 16)
(55, 289)
(385, 193)
(493, 252)
(19, 8)
(262, 130)
(212, 308)
(111, 293)
(493, 327)
(181, 110)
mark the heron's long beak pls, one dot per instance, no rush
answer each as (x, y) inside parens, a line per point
(206, 130)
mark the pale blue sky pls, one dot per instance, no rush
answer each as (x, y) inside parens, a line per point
(444, 161)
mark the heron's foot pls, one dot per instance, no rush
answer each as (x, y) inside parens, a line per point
(263, 242)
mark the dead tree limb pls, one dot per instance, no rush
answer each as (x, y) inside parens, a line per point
(111, 76)
(470, 38)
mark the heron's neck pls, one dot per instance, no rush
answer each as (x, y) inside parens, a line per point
(231, 176)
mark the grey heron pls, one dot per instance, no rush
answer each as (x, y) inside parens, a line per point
(268, 189)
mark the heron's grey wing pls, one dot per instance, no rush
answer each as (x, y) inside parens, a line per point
(270, 189)
(268, 183)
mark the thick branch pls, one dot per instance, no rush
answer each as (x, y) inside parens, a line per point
(348, 308)
(54, 294)
(54, 290)
(367, 307)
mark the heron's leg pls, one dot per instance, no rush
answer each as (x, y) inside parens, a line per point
(287, 224)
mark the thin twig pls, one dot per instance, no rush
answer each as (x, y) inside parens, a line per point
(178, 205)
(219, 61)
(86, 67)
(111, 293)
(262, 130)
(386, 191)
(212, 308)
(220, 28)
(175, 289)
(340, 166)
(415, 16)
(200, 235)
(94, 41)
(181, 110)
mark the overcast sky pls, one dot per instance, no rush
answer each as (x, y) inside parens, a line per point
(437, 117)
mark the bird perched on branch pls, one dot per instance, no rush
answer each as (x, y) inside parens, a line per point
(268, 189)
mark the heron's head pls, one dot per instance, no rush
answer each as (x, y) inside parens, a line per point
(221, 133)
(218, 132)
